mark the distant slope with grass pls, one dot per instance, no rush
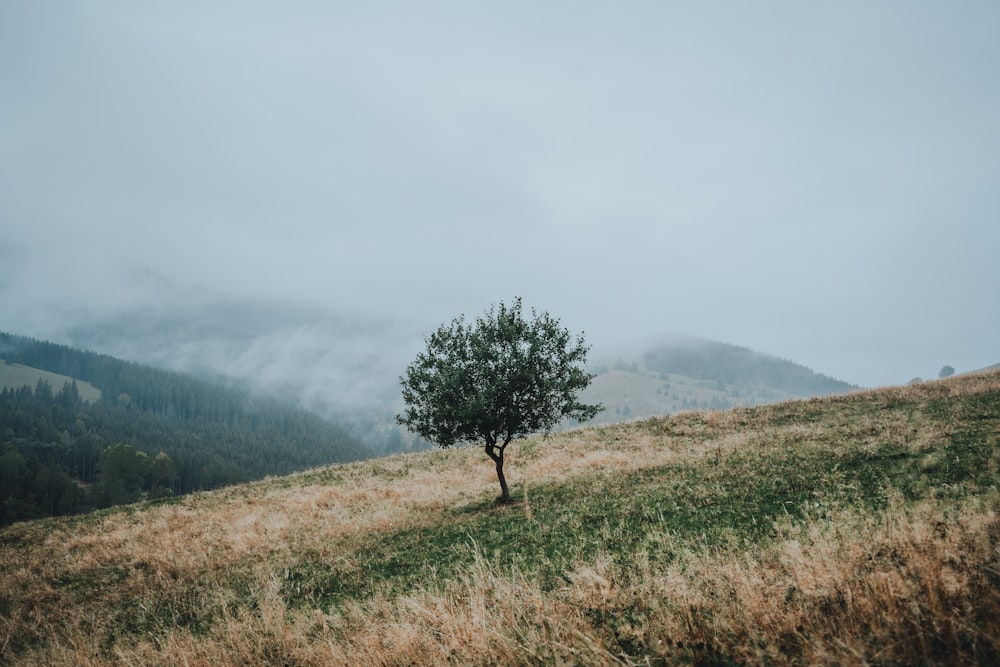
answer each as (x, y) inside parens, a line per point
(14, 375)
(732, 364)
(861, 528)
(698, 374)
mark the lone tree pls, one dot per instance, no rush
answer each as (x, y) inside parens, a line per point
(502, 378)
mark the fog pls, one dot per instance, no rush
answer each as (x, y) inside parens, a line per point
(296, 194)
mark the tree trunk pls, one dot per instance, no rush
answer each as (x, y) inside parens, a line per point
(495, 452)
(504, 491)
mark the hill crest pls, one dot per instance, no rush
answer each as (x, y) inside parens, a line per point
(698, 374)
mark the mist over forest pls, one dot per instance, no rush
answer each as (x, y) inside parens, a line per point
(348, 367)
(324, 362)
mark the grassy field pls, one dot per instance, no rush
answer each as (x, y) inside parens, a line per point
(16, 375)
(860, 529)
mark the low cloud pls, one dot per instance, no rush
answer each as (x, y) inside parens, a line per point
(737, 175)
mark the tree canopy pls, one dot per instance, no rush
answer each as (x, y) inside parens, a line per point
(496, 380)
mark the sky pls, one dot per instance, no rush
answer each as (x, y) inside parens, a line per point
(816, 181)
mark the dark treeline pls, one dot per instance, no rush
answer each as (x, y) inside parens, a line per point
(730, 364)
(153, 433)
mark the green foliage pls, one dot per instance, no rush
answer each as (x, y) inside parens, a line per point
(126, 475)
(497, 380)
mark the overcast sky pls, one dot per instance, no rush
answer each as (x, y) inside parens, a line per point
(818, 181)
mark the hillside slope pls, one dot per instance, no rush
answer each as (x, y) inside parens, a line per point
(148, 433)
(859, 528)
(687, 373)
(633, 391)
(732, 364)
(14, 375)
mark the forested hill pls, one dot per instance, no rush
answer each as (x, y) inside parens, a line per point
(152, 433)
(731, 364)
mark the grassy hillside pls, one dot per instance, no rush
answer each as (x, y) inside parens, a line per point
(17, 375)
(634, 392)
(692, 373)
(732, 364)
(856, 529)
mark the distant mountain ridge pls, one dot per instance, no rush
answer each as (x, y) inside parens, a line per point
(698, 374)
(732, 364)
(345, 366)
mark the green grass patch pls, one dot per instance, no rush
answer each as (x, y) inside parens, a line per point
(14, 376)
(858, 460)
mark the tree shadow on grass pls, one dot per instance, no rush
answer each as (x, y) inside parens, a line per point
(496, 505)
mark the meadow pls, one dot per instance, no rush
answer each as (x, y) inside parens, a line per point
(13, 376)
(856, 529)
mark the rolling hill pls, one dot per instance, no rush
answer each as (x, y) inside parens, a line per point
(698, 374)
(859, 528)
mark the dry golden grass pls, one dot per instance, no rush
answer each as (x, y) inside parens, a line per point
(207, 579)
(850, 590)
